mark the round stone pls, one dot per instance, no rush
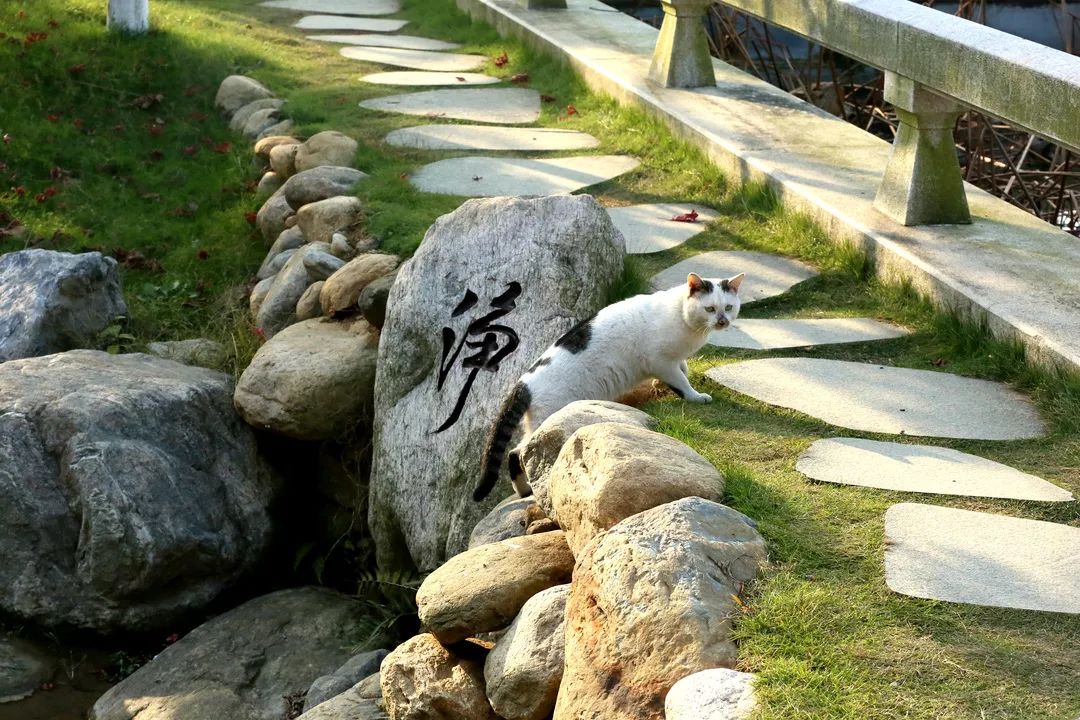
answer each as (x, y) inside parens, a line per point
(766, 275)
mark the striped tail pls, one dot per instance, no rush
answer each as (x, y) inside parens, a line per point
(513, 409)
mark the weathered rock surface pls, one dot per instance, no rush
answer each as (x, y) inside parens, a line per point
(240, 664)
(345, 677)
(326, 148)
(652, 600)
(283, 159)
(342, 290)
(319, 183)
(321, 265)
(484, 588)
(349, 705)
(53, 301)
(258, 294)
(21, 671)
(522, 673)
(236, 91)
(242, 115)
(320, 220)
(312, 381)
(269, 183)
(509, 519)
(272, 215)
(279, 128)
(260, 121)
(717, 694)
(278, 308)
(288, 239)
(539, 451)
(272, 264)
(203, 352)
(264, 146)
(308, 307)
(339, 246)
(539, 265)
(372, 301)
(130, 491)
(610, 471)
(422, 680)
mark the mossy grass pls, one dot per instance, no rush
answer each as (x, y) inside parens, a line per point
(825, 635)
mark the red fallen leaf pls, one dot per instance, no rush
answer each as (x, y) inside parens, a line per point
(19, 190)
(203, 254)
(7, 138)
(403, 176)
(21, 14)
(77, 69)
(547, 98)
(56, 172)
(145, 102)
(258, 331)
(571, 110)
(54, 25)
(179, 211)
(222, 148)
(520, 78)
(52, 117)
(3, 166)
(47, 686)
(34, 37)
(172, 638)
(156, 130)
(250, 217)
(501, 60)
(939, 362)
(459, 78)
(689, 217)
(156, 155)
(78, 123)
(190, 150)
(41, 197)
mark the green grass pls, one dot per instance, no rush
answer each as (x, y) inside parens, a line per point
(825, 635)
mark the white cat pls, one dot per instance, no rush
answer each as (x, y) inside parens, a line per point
(646, 336)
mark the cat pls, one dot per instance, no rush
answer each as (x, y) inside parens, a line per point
(645, 336)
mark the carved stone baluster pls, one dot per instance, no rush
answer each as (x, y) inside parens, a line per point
(681, 58)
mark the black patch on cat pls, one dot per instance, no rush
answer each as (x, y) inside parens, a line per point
(724, 286)
(513, 464)
(578, 338)
(677, 391)
(513, 409)
(705, 288)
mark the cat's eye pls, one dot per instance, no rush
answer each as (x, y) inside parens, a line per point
(711, 308)
(727, 308)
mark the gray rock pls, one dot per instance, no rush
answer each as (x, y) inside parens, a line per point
(717, 694)
(21, 671)
(683, 564)
(342, 290)
(312, 381)
(279, 128)
(271, 216)
(369, 687)
(241, 116)
(372, 301)
(272, 264)
(308, 307)
(340, 247)
(321, 265)
(349, 705)
(345, 677)
(283, 159)
(326, 148)
(258, 294)
(140, 496)
(240, 664)
(269, 184)
(522, 673)
(52, 301)
(203, 352)
(318, 184)
(260, 121)
(340, 214)
(236, 91)
(278, 308)
(508, 519)
(289, 239)
(553, 259)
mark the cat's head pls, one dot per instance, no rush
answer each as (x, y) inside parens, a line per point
(711, 304)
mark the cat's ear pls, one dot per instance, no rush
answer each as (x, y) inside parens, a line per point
(695, 283)
(735, 282)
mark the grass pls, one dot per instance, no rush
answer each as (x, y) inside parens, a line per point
(825, 635)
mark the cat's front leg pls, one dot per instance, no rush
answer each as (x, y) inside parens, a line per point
(684, 368)
(675, 379)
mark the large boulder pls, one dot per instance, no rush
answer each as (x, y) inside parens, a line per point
(282, 159)
(326, 148)
(236, 91)
(325, 181)
(320, 220)
(22, 670)
(483, 588)
(130, 491)
(342, 290)
(312, 381)
(522, 673)
(53, 301)
(610, 471)
(422, 680)
(240, 665)
(652, 601)
(512, 273)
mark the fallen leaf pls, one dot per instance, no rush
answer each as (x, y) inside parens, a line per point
(571, 110)
(156, 130)
(156, 155)
(222, 148)
(77, 69)
(52, 117)
(689, 217)
(203, 254)
(190, 150)
(7, 138)
(251, 217)
(78, 123)
(501, 60)
(145, 102)
(938, 362)
(459, 78)
(520, 78)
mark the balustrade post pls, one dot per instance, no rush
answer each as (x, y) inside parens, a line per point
(922, 184)
(681, 58)
(545, 4)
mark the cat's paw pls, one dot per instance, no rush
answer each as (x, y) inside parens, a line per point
(703, 398)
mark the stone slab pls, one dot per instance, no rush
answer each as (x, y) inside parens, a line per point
(494, 177)
(505, 106)
(922, 469)
(483, 137)
(649, 228)
(416, 59)
(882, 399)
(357, 24)
(404, 42)
(779, 334)
(981, 559)
(766, 275)
(338, 7)
(422, 78)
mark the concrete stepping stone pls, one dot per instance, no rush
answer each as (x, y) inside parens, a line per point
(506, 106)
(494, 177)
(338, 7)
(779, 334)
(417, 59)
(766, 275)
(405, 42)
(982, 559)
(357, 24)
(882, 399)
(483, 137)
(649, 228)
(921, 469)
(420, 78)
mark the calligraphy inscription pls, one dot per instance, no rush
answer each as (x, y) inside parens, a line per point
(488, 341)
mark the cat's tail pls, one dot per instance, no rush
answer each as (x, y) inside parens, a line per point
(513, 409)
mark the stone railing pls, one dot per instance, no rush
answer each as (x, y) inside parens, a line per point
(936, 66)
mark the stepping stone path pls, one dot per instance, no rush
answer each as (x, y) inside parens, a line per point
(506, 106)
(418, 59)
(766, 275)
(881, 399)
(780, 334)
(493, 177)
(427, 78)
(359, 24)
(922, 469)
(338, 7)
(649, 228)
(479, 137)
(971, 557)
(405, 42)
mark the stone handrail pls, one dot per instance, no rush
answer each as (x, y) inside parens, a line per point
(936, 65)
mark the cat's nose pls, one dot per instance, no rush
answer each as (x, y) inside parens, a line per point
(722, 323)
